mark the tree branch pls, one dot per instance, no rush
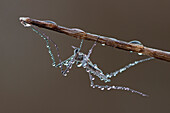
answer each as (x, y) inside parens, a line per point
(80, 34)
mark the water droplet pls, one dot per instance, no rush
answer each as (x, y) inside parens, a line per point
(99, 86)
(136, 62)
(109, 88)
(140, 54)
(131, 64)
(53, 64)
(95, 65)
(123, 69)
(85, 64)
(70, 67)
(102, 88)
(126, 88)
(135, 42)
(25, 24)
(113, 87)
(103, 44)
(65, 74)
(49, 21)
(93, 86)
(79, 65)
(66, 64)
(115, 73)
(88, 70)
(108, 76)
(93, 79)
(108, 80)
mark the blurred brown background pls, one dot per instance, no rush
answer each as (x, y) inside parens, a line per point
(29, 84)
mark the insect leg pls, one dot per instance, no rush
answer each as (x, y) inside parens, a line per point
(47, 39)
(113, 87)
(84, 61)
(69, 65)
(71, 60)
(81, 43)
(65, 62)
(128, 66)
(90, 51)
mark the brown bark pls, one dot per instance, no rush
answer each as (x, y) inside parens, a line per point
(80, 34)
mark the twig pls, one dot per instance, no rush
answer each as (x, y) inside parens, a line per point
(80, 34)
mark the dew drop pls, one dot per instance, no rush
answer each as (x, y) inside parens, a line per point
(113, 87)
(53, 64)
(140, 54)
(70, 67)
(65, 74)
(93, 86)
(93, 79)
(103, 44)
(131, 64)
(135, 42)
(123, 69)
(109, 88)
(95, 65)
(136, 62)
(99, 86)
(108, 80)
(79, 65)
(49, 52)
(115, 73)
(102, 88)
(87, 70)
(49, 21)
(108, 76)
(25, 24)
(66, 64)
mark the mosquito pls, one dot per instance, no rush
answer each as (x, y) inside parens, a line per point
(83, 60)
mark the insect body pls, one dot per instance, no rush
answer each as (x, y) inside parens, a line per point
(82, 60)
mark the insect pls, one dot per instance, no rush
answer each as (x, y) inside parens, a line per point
(83, 60)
